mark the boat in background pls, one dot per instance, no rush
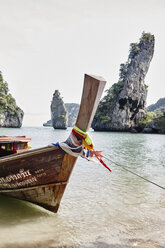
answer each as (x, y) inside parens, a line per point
(40, 176)
(13, 144)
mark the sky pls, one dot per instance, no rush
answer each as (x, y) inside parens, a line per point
(50, 44)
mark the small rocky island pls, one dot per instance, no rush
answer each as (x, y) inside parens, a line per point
(63, 115)
(10, 114)
(124, 105)
(58, 112)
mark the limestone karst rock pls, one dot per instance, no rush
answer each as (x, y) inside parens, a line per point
(72, 109)
(124, 106)
(72, 112)
(58, 112)
(10, 114)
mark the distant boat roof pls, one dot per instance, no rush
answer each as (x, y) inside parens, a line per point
(12, 139)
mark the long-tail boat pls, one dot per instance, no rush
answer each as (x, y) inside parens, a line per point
(13, 144)
(40, 175)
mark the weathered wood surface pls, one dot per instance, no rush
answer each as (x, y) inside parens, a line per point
(32, 168)
(48, 169)
(92, 91)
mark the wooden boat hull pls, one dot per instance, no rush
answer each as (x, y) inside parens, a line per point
(48, 196)
(40, 176)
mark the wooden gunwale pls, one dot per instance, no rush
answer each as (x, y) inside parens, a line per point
(28, 153)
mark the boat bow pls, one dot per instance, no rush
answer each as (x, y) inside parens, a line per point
(40, 176)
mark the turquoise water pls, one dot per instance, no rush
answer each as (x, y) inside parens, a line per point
(99, 209)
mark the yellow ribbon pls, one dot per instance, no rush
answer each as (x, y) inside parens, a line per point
(87, 141)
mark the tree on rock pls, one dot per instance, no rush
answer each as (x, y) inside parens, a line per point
(10, 114)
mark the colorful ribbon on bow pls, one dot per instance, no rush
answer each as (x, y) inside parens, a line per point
(87, 142)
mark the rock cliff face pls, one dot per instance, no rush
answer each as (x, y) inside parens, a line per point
(124, 106)
(58, 112)
(72, 112)
(10, 114)
(72, 109)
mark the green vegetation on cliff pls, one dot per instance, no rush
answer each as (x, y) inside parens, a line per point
(7, 102)
(133, 51)
(123, 106)
(107, 102)
(113, 92)
(149, 117)
(153, 122)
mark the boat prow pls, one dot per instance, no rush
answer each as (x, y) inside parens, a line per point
(40, 176)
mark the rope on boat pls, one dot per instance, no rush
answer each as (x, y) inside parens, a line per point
(71, 146)
(128, 170)
(79, 143)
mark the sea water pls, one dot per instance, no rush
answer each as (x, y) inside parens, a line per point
(99, 209)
